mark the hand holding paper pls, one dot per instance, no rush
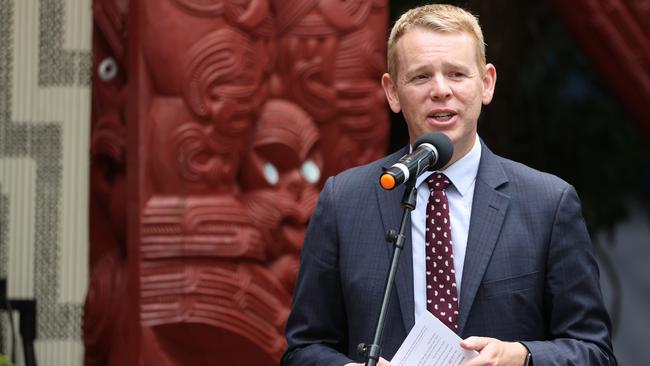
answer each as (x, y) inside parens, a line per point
(430, 342)
(494, 352)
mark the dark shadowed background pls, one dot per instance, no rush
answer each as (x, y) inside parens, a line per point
(554, 110)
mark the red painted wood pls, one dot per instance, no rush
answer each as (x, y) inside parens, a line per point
(209, 148)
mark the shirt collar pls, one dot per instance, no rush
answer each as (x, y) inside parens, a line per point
(463, 172)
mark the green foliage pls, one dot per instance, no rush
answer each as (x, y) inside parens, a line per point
(4, 361)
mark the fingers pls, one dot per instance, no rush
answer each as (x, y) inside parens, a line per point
(476, 343)
(494, 352)
(487, 357)
(487, 348)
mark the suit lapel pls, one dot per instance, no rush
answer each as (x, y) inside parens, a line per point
(391, 214)
(488, 212)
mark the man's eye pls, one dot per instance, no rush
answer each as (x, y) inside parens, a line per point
(457, 75)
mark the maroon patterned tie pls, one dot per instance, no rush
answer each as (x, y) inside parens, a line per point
(442, 296)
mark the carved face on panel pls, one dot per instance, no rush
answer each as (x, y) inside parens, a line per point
(202, 54)
(176, 26)
(223, 80)
(236, 100)
(281, 174)
(199, 135)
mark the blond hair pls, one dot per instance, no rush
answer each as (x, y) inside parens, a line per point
(439, 18)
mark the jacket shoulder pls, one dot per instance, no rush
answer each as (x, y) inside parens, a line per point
(521, 176)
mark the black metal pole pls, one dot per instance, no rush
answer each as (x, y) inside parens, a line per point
(372, 352)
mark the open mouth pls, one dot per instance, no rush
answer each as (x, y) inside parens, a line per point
(442, 116)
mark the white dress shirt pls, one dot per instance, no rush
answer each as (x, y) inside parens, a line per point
(460, 194)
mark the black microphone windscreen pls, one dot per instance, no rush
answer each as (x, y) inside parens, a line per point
(442, 143)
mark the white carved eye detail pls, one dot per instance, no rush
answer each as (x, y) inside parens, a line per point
(107, 69)
(271, 173)
(310, 171)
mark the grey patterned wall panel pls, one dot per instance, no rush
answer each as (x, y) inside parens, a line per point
(44, 129)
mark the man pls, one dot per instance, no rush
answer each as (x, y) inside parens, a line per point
(522, 280)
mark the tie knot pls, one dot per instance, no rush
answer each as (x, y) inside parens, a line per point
(438, 181)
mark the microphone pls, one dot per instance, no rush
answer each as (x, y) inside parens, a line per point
(430, 152)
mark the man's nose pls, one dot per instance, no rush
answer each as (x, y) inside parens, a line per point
(440, 88)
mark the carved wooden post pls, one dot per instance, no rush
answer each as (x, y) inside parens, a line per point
(234, 113)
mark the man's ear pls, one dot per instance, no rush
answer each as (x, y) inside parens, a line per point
(390, 88)
(489, 83)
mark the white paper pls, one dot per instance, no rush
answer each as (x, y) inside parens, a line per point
(430, 342)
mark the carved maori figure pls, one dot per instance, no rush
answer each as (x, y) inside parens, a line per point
(237, 102)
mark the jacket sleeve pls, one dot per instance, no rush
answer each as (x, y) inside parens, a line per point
(578, 323)
(317, 326)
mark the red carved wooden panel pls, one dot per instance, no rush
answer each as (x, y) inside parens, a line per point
(616, 34)
(227, 115)
(105, 312)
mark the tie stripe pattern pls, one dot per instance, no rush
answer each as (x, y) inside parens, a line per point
(442, 295)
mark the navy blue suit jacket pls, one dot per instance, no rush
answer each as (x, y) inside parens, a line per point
(529, 272)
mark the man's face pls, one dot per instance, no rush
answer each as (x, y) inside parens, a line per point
(439, 86)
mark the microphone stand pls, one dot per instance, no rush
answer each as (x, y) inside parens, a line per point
(372, 351)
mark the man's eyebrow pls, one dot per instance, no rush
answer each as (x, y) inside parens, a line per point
(417, 70)
(457, 65)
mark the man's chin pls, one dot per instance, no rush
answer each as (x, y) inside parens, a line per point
(449, 134)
